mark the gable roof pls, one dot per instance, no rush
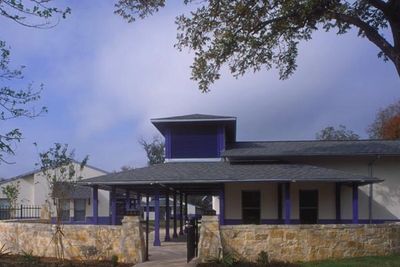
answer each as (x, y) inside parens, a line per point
(194, 117)
(225, 172)
(312, 148)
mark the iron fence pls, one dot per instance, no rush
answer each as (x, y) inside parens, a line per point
(19, 212)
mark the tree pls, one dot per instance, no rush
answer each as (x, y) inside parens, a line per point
(15, 103)
(11, 192)
(59, 167)
(250, 35)
(341, 133)
(154, 150)
(387, 123)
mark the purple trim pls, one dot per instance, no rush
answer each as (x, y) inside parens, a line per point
(175, 234)
(280, 202)
(180, 213)
(287, 203)
(168, 143)
(157, 241)
(101, 220)
(222, 207)
(355, 203)
(323, 221)
(95, 205)
(167, 217)
(338, 188)
(113, 206)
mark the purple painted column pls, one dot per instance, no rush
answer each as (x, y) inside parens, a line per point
(95, 204)
(222, 207)
(338, 197)
(139, 204)
(113, 206)
(157, 241)
(279, 186)
(147, 227)
(127, 201)
(287, 203)
(355, 203)
(167, 217)
(168, 143)
(181, 213)
(175, 234)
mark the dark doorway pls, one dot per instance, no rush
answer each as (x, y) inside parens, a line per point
(308, 206)
(251, 207)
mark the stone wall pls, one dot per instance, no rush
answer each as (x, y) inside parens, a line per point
(210, 239)
(82, 242)
(293, 243)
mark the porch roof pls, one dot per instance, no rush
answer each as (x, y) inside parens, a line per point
(225, 172)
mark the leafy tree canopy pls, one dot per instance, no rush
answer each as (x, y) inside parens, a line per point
(340, 133)
(154, 150)
(18, 102)
(250, 35)
(387, 123)
(11, 191)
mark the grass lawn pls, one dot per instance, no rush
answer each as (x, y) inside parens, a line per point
(382, 261)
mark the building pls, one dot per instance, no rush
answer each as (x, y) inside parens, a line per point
(283, 182)
(77, 208)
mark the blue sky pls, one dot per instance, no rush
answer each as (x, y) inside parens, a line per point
(104, 79)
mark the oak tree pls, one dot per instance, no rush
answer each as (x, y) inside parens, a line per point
(250, 35)
(340, 133)
(387, 123)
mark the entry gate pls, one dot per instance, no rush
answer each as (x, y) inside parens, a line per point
(192, 238)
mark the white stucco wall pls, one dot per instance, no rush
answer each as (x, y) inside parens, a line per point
(386, 200)
(26, 187)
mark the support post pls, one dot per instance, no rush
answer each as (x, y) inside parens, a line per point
(147, 227)
(370, 198)
(139, 204)
(181, 213)
(167, 217)
(127, 200)
(287, 203)
(222, 207)
(175, 234)
(95, 204)
(157, 241)
(113, 205)
(280, 203)
(338, 188)
(355, 203)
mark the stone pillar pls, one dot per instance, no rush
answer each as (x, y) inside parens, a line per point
(210, 245)
(133, 246)
(95, 205)
(175, 234)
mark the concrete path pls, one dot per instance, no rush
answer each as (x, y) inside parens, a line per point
(169, 254)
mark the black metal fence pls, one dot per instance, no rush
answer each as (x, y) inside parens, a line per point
(19, 212)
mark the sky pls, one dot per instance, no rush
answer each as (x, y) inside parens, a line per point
(104, 79)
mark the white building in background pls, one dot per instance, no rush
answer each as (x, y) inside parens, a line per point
(34, 191)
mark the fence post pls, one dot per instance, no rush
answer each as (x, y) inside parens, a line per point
(21, 212)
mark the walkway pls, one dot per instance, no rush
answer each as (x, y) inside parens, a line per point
(169, 254)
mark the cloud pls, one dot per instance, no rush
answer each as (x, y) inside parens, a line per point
(106, 78)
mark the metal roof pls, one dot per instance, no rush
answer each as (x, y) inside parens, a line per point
(312, 148)
(194, 117)
(224, 172)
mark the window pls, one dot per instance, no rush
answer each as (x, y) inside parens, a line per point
(79, 210)
(4, 209)
(308, 206)
(65, 207)
(251, 207)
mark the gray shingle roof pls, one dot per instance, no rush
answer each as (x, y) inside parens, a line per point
(218, 172)
(194, 117)
(312, 148)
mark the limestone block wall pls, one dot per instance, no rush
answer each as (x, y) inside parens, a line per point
(83, 242)
(293, 243)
